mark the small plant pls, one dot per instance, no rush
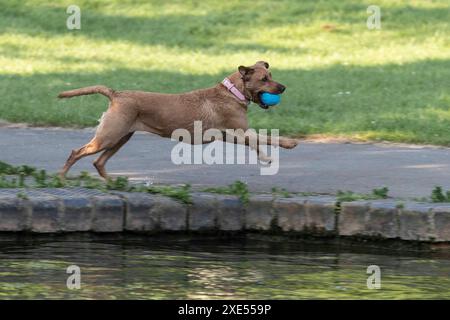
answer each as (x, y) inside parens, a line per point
(22, 180)
(56, 182)
(25, 170)
(6, 168)
(347, 196)
(87, 181)
(400, 205)
(307, 194)
(180, 193)
(22, 195)
(120, 183)
(437, 195)
(7, 183)
(282, 192)
(381, 193)
(238, 188)
(40, 178)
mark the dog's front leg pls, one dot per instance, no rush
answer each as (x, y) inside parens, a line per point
(288, 143)
(283, 142)
(253, 140)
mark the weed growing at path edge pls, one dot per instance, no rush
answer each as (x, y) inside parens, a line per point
(437, 195)
(238, 188)
(29, 177)
(17, 177)
(345, 196)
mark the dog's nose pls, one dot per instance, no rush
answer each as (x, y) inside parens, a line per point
(281, 88)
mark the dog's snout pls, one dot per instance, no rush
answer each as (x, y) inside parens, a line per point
(281, 88)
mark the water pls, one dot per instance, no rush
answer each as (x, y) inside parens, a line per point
(188, 268)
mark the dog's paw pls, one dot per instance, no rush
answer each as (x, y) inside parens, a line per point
(265, 159)
(289, 143)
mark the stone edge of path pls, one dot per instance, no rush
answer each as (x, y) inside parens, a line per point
(86, 210)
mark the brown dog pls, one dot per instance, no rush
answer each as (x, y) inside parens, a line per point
(220, 107)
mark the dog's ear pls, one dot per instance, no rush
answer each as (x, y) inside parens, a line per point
(245, 70)
(262, 63)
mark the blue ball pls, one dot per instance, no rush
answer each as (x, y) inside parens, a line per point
(270, 99)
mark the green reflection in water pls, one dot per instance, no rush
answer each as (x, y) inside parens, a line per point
(193, 269)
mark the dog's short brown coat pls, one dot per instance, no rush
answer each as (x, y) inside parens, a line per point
(160, 113)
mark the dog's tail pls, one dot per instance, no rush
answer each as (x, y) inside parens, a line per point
(108, 92)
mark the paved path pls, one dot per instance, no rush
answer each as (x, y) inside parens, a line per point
(408, 171)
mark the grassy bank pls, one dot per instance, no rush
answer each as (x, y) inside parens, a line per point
(342, 78)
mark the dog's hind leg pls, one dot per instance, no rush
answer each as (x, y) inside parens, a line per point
(92, 147)
(112, 128)
(99, 164)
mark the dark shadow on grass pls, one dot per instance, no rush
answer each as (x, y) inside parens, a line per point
(409, 102)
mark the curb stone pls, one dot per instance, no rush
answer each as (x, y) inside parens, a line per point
(14, 214)
(416, 222)
(291, 214)
(231, 213)
(441, 219)
(260, 214)
(383, 220)
(321, 214)
(108, 213)
(378, 219)
(353, 218)
(77, 210)
(45, 215)
(137, 212)
(202, 212)
(170, 214)
(77, 214)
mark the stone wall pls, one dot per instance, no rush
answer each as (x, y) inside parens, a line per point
(77, 209)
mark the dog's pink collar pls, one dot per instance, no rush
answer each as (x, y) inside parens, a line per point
(232, 88)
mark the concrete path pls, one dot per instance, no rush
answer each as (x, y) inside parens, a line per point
(408, 171)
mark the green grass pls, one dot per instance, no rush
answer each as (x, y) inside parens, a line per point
(438, 195)
(346, 196)
(342, 79)
(238, 188)
(30, 177)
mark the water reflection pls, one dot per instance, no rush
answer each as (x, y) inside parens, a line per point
(177, 268)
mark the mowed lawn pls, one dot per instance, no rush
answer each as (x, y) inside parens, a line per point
(343, 79)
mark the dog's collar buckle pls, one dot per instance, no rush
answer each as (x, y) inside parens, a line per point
(232, 88)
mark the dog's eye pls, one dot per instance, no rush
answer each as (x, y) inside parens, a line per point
(264, 79)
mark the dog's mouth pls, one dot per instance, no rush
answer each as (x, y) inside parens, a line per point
(257, 100)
